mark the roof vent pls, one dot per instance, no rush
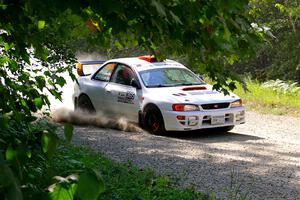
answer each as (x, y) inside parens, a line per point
(148, 58)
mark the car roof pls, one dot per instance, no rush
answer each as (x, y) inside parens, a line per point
(141, 65)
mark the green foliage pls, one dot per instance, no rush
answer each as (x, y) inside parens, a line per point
(285, 58)
(277, 97)
(21, 147)
(280, 86)
(27, 147)
(279, 57)
(122, 181)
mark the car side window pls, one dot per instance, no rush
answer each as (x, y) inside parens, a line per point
(105, 72)
(122, 75)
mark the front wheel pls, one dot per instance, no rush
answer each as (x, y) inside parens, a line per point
(153, 122)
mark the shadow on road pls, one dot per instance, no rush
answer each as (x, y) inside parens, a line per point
(209, 136)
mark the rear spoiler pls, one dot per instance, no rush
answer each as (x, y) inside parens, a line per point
(80, 64)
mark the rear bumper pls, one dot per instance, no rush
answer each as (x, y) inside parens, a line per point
(203, 119)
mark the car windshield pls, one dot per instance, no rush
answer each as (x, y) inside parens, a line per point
(168, 77)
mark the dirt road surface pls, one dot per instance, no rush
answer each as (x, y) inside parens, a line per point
(261, 158)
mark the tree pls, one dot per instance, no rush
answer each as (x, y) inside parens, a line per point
(278, 58)
(209, 34)
(38, 40)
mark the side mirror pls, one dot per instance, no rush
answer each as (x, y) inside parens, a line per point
(135, 84)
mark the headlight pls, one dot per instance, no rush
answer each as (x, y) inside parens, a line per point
(185, 107)
(237, 103)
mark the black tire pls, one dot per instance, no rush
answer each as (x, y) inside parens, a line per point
(84, 103)
(224, 128)
(153, 121)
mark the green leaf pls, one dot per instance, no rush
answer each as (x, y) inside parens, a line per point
(40, 82)
(280, 7)
(8, 180)
(41, 52)
(3, 6)
(60, 81)
(90, 186)
(159, 7)
(3, 122)
(13, 66)
(49, 143)
(2, 141)
(176, 18)
(65, 188)
(68, 131)
(41, 24)
(73, 77)
(28, 153)
(6, 175)
(61, 192)
(10, 153)
(118, 45)
(38, 102)
(56, 94)
(47, 73)
(14, 191)
(7, 46)
(227, 33)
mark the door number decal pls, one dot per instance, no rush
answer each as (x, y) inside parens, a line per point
(126, 97)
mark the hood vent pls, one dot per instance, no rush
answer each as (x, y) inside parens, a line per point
(179, 94)
(194, 88)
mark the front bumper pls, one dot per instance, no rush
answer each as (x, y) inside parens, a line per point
(203, 119)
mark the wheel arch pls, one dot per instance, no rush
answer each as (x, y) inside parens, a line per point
(147, 107)
(83, 94)
(151, 106)
(76, 99)
(86, 95)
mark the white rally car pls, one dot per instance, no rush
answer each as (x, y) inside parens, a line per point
(160, 96)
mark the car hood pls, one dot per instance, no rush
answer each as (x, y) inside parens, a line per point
(198, 94)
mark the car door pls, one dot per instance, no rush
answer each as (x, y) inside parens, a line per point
(96, 90)
(124, 96)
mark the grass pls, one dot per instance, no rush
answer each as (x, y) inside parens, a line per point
(122, 181)
(274, 97)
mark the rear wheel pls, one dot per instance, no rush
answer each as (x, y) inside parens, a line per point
(84, 103)
(153, 122)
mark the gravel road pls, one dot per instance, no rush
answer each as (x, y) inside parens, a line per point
(261, 157)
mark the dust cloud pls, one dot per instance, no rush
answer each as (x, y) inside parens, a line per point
(64, 115)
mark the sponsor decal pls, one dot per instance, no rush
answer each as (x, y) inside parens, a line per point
(126, 97)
